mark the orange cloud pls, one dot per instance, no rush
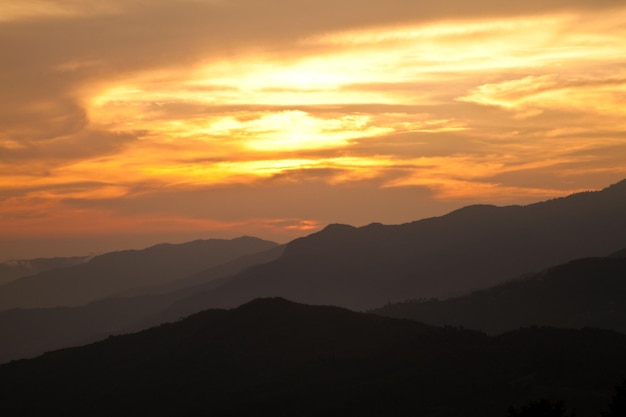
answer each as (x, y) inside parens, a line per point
(165, 102)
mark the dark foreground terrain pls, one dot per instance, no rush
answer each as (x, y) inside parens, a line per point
(275, 357)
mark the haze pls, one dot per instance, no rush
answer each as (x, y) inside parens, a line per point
(126, 123)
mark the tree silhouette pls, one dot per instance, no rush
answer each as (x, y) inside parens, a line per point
(540, 408)
(617, 406)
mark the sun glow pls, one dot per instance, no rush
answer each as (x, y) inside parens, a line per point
(456, 108)
(256, 106)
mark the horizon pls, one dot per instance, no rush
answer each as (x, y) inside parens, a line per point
(128, 124)
(143, 243)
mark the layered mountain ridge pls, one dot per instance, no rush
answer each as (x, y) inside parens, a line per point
(355, 267)
(116, 273)
(275, 356)
(588, 292)
(468, 249)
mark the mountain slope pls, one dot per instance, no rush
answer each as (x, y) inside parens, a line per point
(31, 332)
(274, 356)
(118, 272)
(12, 270)
(585, 292)
(468, 249)
(213, 277)
(359, 268)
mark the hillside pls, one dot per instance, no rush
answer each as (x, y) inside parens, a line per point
(31, 332)
(471, 248)
(274, 356)
(583, 293)
(120, 272)
(12, 270)
(360, 268)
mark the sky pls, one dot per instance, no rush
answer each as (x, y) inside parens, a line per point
(126, 123)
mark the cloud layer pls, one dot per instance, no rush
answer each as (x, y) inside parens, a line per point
(275, 117)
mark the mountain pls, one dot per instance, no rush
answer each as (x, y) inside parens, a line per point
(116, 273)
(12, 270)
(468, 249)
(272, 356)
(583, 293)
(31, 332)
(360, 268)
(215, 275)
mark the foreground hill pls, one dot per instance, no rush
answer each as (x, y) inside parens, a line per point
(275, 357)
(119, 272)
(471, 248)
(585, 292)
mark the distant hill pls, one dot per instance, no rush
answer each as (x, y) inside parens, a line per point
(468, 249)
(274, 357)
(116, 273)
(31, 332)
(583, 293)
(12, 270)
(28, 333)
(215, 275)
(360, 268)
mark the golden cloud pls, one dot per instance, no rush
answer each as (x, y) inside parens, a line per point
(457, 103)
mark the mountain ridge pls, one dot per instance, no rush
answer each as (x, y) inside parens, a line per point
(589, 292)
(31, 332)
(18, 268)
(114, 273)
(273, 355)
(359, 268)
(470, 248)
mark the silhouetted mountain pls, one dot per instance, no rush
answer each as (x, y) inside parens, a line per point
(12, 270)
(31, 332)
(584, 293)
(126, 271)
(468, 249)
(278, 358)
(215, 276)
(619, 254)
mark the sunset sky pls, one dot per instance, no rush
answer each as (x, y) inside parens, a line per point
(125, 123)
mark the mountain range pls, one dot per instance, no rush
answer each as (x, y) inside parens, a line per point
(129, 271)
(28, 332)
(18, 268)
(359, 268)
(468, 249)
(272, 356)
(588, 292)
